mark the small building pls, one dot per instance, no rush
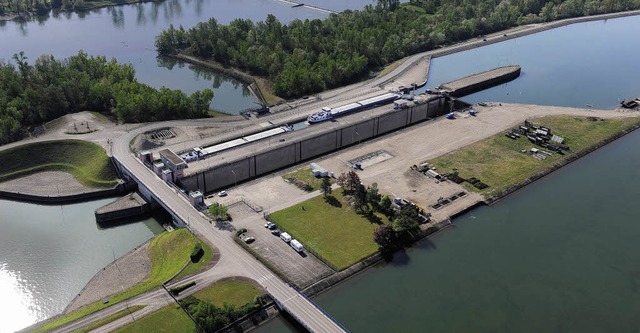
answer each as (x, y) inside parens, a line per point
(433, 174)
(157, 168)
(146, 157)
(174, 163)
(400, 104)
(318, 171)
(196, 198)
(167, 175)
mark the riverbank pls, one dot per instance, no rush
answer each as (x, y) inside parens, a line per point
(475, 42)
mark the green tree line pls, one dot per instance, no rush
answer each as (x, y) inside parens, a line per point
(42, 7)
(31, 94)
(305, 57)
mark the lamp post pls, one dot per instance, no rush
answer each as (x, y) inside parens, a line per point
(235, 178)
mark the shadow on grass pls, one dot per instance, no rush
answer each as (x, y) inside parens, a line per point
(372, 218)
(330, 199)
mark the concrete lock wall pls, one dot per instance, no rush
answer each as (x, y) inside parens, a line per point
(318, 145)
(419, 113)
(391, 121)
(298, 151)
(358, 132)
(276, 159)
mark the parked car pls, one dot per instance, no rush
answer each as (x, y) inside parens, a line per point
(249, 240)
(222, 193)
(270, 225)
(285, 237)
(276, 232)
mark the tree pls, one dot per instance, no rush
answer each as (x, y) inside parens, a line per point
(407, 220)
(385, 204)
(325, 187)
(349, 181)
(385, 236)
(360, 199)
(373, 197)
(219, 212)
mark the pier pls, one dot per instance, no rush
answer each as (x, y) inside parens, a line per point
(131, 205)
(479, 81)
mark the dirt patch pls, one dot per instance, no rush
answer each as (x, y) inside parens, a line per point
(50, 183)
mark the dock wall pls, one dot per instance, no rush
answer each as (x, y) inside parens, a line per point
(282, 156)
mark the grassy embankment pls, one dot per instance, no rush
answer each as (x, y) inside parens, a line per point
(335, 232)
(168, 253)
(86, 161)
(172, 319)
(304, 176)
(498, 162)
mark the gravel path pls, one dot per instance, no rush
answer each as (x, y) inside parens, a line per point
(124, 273)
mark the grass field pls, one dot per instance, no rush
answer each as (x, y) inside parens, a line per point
(170, 319)
(168, 252)
(194, 267)
(109, 319)
(338, 234)
(86, 161)
(234, 292)
(498, 162)
(305, 176)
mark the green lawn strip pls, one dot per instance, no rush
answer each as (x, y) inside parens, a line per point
(86, 161)
(109, 319)
(170, 319)
(498, 162)
(168, 253)
(337, 234)
(233, 292)
(193, 267)
(305, 176)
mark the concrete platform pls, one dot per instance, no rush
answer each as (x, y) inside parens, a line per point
(129, 206)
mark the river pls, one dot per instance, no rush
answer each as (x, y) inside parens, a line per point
(560, 255)
(127, 33)
(48, 253)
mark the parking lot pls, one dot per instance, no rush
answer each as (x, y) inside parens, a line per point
(303, 269)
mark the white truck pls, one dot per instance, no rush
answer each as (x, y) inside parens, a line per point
(296, 245)
(285, 237)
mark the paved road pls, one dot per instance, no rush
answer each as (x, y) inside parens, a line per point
(233, 258)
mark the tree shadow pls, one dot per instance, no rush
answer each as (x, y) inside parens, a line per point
(372, 218)
(224, 225)
(331, 200)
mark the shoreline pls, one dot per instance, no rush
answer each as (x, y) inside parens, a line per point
(469, 44)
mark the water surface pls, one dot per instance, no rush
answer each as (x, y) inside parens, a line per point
(48, 254)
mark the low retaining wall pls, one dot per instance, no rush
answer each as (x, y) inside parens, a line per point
(67, 199)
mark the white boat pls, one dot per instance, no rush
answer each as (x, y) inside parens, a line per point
(319, 116)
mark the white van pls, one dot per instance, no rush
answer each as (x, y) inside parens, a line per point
(296, 245)
(285, 237)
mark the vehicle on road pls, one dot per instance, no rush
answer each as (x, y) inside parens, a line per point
(222, 193)
(296, 245)
(285, 237)
(249, 239)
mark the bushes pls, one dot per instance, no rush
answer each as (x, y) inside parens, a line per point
(177, 290)
(197, 252)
